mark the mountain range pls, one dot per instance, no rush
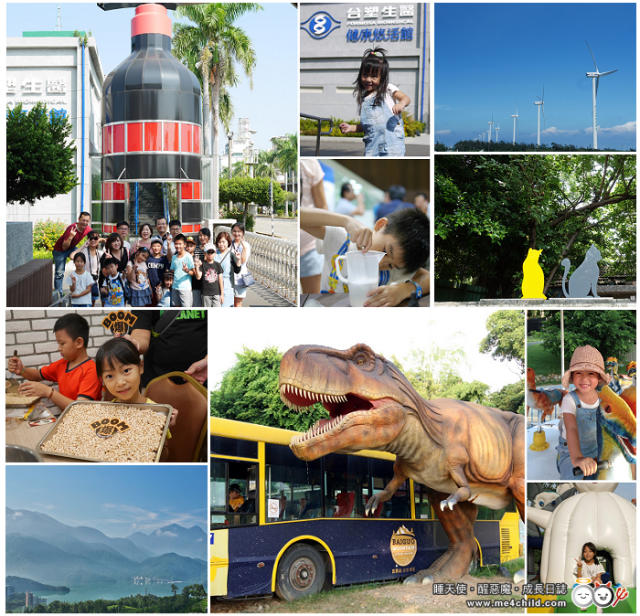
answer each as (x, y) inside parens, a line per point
(41, 548)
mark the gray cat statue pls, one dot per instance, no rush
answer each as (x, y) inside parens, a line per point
(585, 277)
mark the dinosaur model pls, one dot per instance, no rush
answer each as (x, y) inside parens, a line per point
(544, 400)
(619, 426)
(629, 393)
(611, 366)
(467, 454)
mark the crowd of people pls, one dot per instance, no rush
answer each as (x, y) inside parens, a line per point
(166, 269)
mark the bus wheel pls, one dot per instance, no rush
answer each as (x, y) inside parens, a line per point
(301, 572)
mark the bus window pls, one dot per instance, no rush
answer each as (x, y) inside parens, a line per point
(293, 486)
(237, 448)
(398, 506)
(233, 493)
(347, 486)
(423, 508)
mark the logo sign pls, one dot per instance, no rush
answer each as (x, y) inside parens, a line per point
(107, 427)
(403, 546)
(320, 25)
(119, 322)
(602, 595)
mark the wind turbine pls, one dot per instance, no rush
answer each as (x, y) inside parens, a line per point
(515, 117)
(497, 129)
(595, 75)
(540, 104)
(490, 125)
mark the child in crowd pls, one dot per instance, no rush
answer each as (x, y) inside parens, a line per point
(380, 106)
(183, 268)
(139, 279)
(210, 272)
(113, 286)
(403, 236)
(75, 373)
(196, 283)
(80, 283)
(163, 293)
(157, 264)
(168, 247)
(579, 430)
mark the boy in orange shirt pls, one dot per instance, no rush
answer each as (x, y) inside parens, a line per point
(75, 373)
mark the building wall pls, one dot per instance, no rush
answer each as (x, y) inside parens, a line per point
(30, 333)
(333, 38)
(48, 69)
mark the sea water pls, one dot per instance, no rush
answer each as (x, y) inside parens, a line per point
(110, 591)
(358, 291)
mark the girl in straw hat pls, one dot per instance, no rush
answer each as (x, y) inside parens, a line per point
(580, 438)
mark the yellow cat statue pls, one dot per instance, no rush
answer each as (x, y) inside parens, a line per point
(533, 279)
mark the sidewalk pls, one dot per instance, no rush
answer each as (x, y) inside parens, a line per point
(259, 296)
(353, 146)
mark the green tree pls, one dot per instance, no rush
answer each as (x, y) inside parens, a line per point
(499, 206)
(509, 398)
(249, 392)
(40, 154)
(251, 190)
(505, 338)
(612, 332)
(286, 157)
(212, 46)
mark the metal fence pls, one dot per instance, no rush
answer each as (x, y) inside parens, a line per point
(273, 263)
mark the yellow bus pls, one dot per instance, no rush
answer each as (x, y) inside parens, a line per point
(283, 525)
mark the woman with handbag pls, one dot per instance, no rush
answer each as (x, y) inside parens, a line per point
(242, 251)
(227, 261)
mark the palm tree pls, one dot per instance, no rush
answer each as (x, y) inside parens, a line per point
(211, 49)
(286, 157)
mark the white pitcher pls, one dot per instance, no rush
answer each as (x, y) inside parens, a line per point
(363, 273)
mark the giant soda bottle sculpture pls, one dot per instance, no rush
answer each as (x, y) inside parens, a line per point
(151, 123)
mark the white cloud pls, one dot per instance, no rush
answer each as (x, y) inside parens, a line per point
(445, 131)
(554, 130)
(618, 129)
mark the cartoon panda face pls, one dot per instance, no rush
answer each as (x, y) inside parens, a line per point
(603, 596)
(582, 595)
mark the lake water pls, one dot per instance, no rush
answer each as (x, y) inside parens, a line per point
(111, 591)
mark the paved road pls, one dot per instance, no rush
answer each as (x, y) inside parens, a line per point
(285, 228)
(351, 146)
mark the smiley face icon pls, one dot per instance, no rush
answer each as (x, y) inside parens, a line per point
(603, 596)
(582, 596)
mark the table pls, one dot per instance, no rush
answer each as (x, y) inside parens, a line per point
(330, 300)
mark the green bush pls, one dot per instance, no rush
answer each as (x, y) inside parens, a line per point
(46, 234)
(309, 127)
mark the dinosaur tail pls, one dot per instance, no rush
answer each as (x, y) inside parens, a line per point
(567, 264)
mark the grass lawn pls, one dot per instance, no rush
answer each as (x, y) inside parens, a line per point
(540, 359)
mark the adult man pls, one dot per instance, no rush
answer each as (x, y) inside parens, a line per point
(346, 203)
(204, 237)
(396, 202)
(123, 231)
(175, 228)
(66, 244)
(162, 230)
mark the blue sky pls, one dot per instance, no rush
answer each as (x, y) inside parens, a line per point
(496, 58)
(118, 500)
(272, 105)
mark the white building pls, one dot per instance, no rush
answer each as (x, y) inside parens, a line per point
(243, 148)
(62, 70)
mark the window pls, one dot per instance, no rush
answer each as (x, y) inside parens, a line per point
(347, 486)
(293, 487)
(234, 494)
(398, 506)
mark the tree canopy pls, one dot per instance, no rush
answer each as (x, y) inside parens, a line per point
(499, 206)
(251, 190)
(505, 340)
(612, 332)
(40, 154)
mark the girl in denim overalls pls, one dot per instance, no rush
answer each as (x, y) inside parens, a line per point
(380, 105)
(580, 437)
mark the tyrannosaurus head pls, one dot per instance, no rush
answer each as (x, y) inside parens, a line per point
(366, 396)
